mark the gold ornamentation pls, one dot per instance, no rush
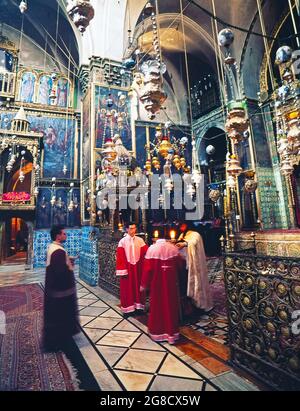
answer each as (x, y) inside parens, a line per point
(249, 281)
(281, 289)
(270, 327)
(81, 13)
(283, 315)
(262, 285)
(269, 312)
(248, 324)
(297, 289)
(214, 195)
(164, 147)
(228, 261)
(295, 271)
(233, 297)
(294, 363)
(236, 124)
(233, 167)
(246, 300)
(285, 331)
(8, 45)
(257, 348)
(272, 353)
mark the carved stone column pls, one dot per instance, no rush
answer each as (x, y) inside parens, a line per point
(84, 77)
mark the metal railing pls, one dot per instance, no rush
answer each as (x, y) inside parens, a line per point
(263, 304)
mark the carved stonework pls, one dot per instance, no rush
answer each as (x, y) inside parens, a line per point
(8, 45)
(283, 243)
(109, 72)
(214, 118)
(262, 294)
(84, 78)
(31, 145)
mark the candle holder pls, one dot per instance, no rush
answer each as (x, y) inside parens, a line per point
(173, 235)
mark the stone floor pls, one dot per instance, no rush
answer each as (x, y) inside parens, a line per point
(121, 355)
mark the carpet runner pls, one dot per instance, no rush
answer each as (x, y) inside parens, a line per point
(23, 364)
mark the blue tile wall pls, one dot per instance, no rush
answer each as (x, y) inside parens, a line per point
(41, 240)
(89, 262)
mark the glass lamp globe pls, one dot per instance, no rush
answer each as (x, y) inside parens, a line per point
(225, 37)
(210, 150)
(283, 54)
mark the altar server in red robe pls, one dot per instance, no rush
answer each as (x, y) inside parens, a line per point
(60, 307)
(130, 257)
(160, 273)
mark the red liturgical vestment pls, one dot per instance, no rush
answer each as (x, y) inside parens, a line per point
(160, 274)
(130, 257)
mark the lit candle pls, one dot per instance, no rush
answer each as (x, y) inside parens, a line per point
(155, 234)
(172, 234)
(120, 226)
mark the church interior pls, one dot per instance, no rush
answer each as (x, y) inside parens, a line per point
(152, 113)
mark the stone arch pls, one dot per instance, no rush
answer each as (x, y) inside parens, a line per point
(215, 119)
(213, 128)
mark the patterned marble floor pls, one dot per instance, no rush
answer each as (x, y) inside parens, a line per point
(214, 324)
(121, 355)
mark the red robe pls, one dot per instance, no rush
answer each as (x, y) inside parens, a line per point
(160, 273)
(130, 257)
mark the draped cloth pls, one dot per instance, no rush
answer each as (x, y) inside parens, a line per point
(60, 306)
(160, 274)
(197, 285)
(129, 263)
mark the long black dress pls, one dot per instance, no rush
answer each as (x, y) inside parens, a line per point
(60, 307)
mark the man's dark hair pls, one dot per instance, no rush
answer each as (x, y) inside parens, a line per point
(130, 223)
(56, 230)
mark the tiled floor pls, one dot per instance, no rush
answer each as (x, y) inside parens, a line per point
(214, 324)
(121, 355)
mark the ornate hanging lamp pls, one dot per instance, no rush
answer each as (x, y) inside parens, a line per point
(23, 6)
(237, 122)
(109, 152)
(233, 167)
(81, 13)
(150, 87)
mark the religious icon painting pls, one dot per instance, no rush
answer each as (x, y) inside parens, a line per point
(27, 87)
(62, 92)
(112, 115)
(45, 86)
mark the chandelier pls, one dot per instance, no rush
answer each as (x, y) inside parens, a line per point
(149, 69)
(13, 154)
(167, 153)
(81, 13)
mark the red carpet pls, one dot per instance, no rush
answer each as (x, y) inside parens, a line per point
(21, 299)
(23, 365)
